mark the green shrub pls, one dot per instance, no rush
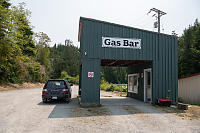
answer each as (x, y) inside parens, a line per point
(111, 87)
(104, 85)
(117, 88)
(73, 80)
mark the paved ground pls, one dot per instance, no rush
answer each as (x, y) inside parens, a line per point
(21, 111)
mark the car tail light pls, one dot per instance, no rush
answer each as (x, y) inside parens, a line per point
(44, 91)
(64, 91)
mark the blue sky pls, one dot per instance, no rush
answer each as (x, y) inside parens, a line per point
(60, 18)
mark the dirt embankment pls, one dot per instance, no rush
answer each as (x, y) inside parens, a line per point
(20, 86)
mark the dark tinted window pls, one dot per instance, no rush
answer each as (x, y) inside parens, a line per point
(55, 85)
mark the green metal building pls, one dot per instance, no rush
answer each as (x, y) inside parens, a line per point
(151, 59)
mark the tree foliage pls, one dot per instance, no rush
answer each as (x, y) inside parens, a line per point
(64, 58)
(18, 61)
(117, 75)
(189, 51)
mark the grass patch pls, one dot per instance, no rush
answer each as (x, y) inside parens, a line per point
(132, 109)
(25, 85)
(90, 111)
(135, 111)
(193, 112)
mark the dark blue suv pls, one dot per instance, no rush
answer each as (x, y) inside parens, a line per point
(56, 89)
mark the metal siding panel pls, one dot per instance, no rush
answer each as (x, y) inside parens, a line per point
(102, 54)
(176, 70)
(147, 45)
(156, 68)
(173, 68)
(90, 95)
(163, 66)
(167, 67)
(90, 46)
(99, 29)
(160, 66)
(96, 51)
(153, 55)
(154, 83)
(176, 65)
(170, 66)
(153, 68)
(155, 47)
(141, 52)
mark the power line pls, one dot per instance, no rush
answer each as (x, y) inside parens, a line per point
(159, 14)
(136, 21)
(143, 19)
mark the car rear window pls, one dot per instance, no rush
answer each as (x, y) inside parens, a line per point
(55, 85)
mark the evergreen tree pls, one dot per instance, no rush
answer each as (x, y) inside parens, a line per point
(189, 51)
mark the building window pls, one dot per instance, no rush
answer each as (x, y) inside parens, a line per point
(133, 83)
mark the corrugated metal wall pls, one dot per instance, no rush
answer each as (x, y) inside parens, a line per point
(189, 89)
(161, 49)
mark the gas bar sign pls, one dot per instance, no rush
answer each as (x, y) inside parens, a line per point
(115, 42)
(90, 74)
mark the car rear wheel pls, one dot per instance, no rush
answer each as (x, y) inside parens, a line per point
(66, 100)
(44, 100)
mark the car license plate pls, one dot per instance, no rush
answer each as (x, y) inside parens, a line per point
(54, 97)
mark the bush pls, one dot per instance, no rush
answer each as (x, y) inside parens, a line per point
(111, 87)
(104, 85)
(73, 80)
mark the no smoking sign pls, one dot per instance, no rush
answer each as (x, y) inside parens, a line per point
(90, 74)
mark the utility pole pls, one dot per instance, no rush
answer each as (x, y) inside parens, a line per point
(159, 14)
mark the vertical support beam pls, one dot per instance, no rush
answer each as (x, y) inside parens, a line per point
(158, 21)
(90, 86)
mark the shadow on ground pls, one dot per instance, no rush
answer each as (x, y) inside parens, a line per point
(110, 106)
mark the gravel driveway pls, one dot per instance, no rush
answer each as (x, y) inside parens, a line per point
(21, 111)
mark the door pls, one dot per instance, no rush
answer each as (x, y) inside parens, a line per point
(147, 85)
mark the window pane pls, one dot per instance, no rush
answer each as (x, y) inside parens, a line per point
(133, 83)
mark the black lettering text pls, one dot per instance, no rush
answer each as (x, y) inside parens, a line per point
(113, 43)
(125, 42)
(118, 43)
(107, 42)
(132, 44)
(136, 43)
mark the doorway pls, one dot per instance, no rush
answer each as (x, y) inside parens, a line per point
(147, 85)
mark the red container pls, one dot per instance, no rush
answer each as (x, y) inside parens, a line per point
(164, 102)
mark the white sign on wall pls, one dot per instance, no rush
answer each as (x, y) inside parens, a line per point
(114, 42)
(90, 74)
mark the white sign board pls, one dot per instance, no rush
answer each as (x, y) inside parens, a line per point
(90, 74)
(114, 42)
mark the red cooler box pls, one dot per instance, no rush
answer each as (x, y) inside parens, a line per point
(164, 102)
